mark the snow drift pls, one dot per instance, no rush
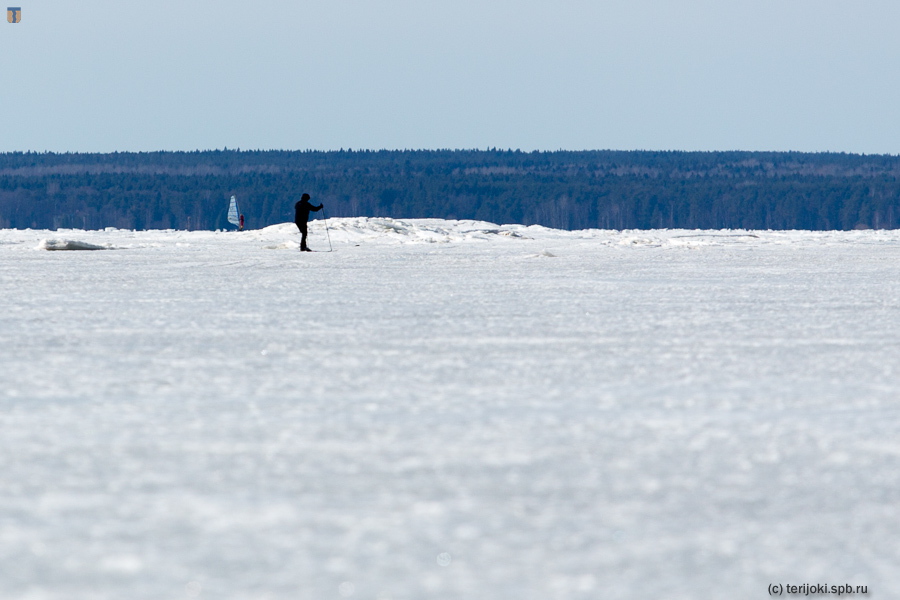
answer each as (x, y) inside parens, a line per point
(60, 244)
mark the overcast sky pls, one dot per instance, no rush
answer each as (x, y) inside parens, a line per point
(107, 75)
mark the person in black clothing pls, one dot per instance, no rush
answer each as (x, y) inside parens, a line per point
(301, 216)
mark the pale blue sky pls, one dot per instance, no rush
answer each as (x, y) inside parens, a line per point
(104, 75)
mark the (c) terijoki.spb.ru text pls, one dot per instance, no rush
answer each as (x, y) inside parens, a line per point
(816, 589)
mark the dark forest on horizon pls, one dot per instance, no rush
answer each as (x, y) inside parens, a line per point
(560, 189)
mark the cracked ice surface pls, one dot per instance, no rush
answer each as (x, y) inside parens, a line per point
(446, 409)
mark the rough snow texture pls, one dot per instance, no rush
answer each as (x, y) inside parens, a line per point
(54, 244)
(448, 410)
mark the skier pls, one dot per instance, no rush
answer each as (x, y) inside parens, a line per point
(301, 216)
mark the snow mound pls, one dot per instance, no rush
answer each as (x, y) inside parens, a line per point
(279, 229)
(61, 244)
(405, 231)
(385, 230)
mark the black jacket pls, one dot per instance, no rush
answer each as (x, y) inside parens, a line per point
(302, 210)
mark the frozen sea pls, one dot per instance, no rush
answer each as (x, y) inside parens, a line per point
(447, 410)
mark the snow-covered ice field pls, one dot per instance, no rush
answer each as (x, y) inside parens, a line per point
(447, 410)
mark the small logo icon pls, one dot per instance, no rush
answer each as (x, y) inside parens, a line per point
(14, 14)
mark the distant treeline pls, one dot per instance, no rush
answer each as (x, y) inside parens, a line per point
(568, 190)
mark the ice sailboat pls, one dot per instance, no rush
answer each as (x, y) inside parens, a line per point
(234, 215)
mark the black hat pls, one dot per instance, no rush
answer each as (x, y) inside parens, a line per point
(304, 197)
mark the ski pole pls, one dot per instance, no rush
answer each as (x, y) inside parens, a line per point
(325, 216)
